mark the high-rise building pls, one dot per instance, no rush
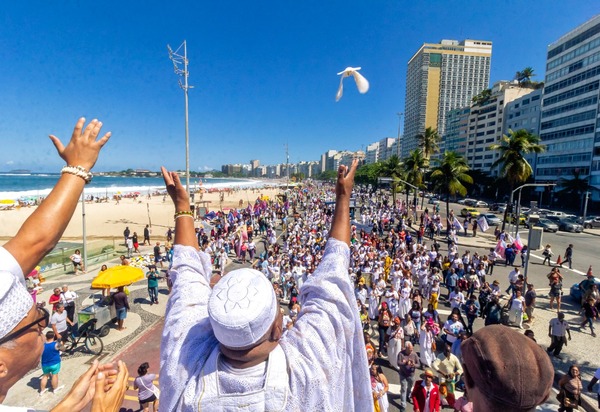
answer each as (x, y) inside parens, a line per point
(441, 77)
(568, 125)
(486, 125)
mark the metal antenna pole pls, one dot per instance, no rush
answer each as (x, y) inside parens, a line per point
(177, 60)
(287, 163)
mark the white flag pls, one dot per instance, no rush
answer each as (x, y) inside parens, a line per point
(482, 223)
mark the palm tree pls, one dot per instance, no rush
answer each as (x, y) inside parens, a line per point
(574, 188)
(524, 76)
(482, 97)
(513, 165)
(392, 167)
(449, 175)
(414, 165)
(429, 143)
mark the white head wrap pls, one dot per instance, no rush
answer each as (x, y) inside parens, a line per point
(242, 308)
(15, 301)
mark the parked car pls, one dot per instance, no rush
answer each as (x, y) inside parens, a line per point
(569, 224)
(492, 219)
(469, 211)
(547, 225)
(591, 222)
(576, 293)
(480, 203)
(553, 218)
(433, 201)
(495, 207)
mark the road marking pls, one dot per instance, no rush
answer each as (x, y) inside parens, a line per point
(572, 270)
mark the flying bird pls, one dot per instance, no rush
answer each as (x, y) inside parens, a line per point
(361, 83)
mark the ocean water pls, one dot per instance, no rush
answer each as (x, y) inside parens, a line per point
(30, 186)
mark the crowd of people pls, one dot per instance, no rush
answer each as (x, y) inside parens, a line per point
(345, 285)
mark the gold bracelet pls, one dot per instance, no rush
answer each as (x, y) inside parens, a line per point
(183, 213)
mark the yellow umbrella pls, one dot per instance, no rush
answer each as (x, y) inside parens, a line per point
(7, 201)
(117, 276)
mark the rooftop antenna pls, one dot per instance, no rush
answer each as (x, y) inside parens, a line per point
(178, 59)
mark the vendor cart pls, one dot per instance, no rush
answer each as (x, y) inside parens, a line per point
(103, 312)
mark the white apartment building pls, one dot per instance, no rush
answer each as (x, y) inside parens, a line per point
(569, 119)
(439, 78)
(486, 121)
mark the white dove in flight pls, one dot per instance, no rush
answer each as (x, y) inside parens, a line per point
(361, 83)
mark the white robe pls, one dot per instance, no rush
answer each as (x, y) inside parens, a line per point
(327, 369)
(425, 342)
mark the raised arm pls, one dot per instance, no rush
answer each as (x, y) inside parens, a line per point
(32, 243)
(340, 226)
(185, 234)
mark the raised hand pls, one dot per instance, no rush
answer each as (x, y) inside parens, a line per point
(83, 148)
(345, 179)
(175, 189)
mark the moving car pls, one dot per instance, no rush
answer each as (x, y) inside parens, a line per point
(569, 224)
(433, 201)
(591, 222)
(576, 293)
(469, 211)
(480, 203)
(492, 219)
(547, 225)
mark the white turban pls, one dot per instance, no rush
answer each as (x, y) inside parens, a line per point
(242, 308)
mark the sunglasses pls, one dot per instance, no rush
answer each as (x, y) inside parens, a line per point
(42, 321)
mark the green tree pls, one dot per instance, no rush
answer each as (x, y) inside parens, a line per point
(327, 175)
(450, 175)
(368, 173)
(429, 143)
(483, 97)
(525, 75)
(392, 167)
(297, 177)
(414, 165)
(513, 165)
(572, 189)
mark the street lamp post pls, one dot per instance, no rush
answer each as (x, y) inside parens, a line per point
(178, 59)
(518, 208)
(532, 220)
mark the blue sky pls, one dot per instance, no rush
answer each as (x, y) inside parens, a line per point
(264, 73)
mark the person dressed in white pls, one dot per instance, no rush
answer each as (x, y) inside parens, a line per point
(457, 299)
(426, 342)
(517, 306)
(222, 348)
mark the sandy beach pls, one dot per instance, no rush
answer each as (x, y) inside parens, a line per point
(108, 220)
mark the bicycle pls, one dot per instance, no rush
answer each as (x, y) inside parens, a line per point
(91, 339)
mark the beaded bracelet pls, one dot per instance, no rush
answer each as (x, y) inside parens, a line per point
(78, 171)
(184, 213)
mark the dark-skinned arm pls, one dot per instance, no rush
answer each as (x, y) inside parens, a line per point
(31, 244)
(340, 226)
(185, 233)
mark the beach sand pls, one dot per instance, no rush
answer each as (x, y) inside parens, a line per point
(108, 220)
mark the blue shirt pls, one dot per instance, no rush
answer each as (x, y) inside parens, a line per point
(51, 355)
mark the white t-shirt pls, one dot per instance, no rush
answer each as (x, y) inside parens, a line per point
(60, 320)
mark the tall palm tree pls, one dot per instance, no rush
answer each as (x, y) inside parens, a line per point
(414, 165)
(449, 175)
(574, 187)
(524, 76)
(392, 167)
(513, 165)
(482, 97)
(429, 143)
